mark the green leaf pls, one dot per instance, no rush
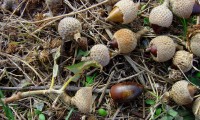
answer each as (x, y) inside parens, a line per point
(172, 112)
(80, 67)
(6, 108)
(102, 112)
(82, 53)
(158, 111)
(76, 67)
(150, 102)
(37, 112)
(90, 79)
(167, 118)
(42, 117)
(146, 21)
(198, 75)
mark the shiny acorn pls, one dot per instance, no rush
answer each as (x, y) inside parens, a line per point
(127, 91)
(124, 11)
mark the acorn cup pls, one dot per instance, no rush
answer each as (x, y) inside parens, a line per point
(125, 41)
(183, 59)
(182, 92)
(193, 40)
(160, 17)
(82, 99)
(99, 53)
(162, 48)
(69, 27)
(196, 108)
(185, 8)
(124, 11)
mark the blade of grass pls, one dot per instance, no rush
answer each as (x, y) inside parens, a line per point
(6, 108)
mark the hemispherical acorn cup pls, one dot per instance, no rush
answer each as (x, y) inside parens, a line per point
(194, 44)
(124, 11)
(184, 8)
(183, 59)
(99, 53)
(162, 48)
(125, 41)
(182, 92)
(160, 17)
(83, 99)
(124, 92)
(69, 27)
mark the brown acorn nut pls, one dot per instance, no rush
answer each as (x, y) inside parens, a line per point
(162, 48)
(160, 17)
(99, 53)
(124, 92)
(194, 44)
(196, 108)
(184, 8)
(125, 40)
(83, 99)
(124, 11)
(182, 92)
(183, 59)
(69, 27)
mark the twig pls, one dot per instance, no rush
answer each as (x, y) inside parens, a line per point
(4, 54)
(104, 91)
(129, 77)
(140, 77)
(165, 79)
(117, 111)
(69, 14)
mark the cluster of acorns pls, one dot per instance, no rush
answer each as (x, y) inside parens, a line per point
(162, 48)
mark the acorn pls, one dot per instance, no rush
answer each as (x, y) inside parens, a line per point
(69, 27)
(162, 48)
(194, 44)
(125, 92)
(99, 53)
(125, 41)
(160, 17)
(185, 8)
(124, 11)
(196, 108)
(83, 99)
(182, 92)
(183, 59)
